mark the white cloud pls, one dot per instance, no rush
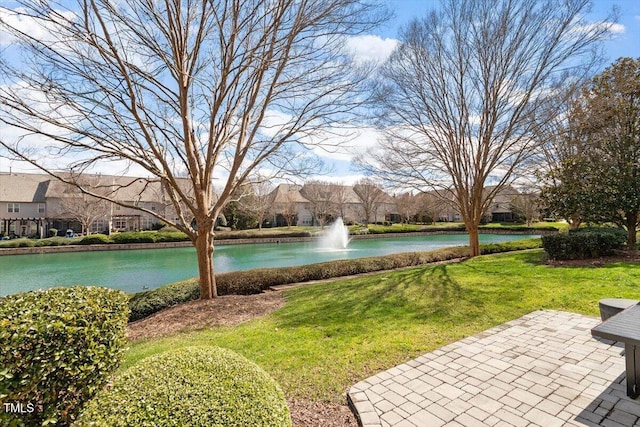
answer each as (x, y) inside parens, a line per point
(342, 144)
(613, 29)
(275, 122)
(370, 48)
(36, 28)
(617, 29)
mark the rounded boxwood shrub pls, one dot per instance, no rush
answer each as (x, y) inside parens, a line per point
(194, 386)
(59, 346)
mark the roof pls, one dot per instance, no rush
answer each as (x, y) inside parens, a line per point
(24, 187)
(30, 187)
(125, 188)
(288, 193)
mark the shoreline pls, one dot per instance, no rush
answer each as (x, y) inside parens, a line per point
(256, 240)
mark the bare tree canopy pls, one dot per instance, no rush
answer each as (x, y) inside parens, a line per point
(371, 196)
(200, 90)
(462, 97)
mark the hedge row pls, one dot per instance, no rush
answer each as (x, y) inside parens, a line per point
(144, 237)
(195, 386)
(413, 229)
(584, 243)
(253, 234)
(134, 237)
(59, 347)
(248, 282)
(30, 243)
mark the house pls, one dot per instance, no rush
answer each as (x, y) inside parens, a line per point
(32, 204)
(318, 203)
(23, 204)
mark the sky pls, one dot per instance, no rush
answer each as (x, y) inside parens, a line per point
(380, 43)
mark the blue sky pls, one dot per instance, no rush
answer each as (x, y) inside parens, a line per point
(623, 44)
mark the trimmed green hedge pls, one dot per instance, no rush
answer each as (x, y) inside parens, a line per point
(194, 386)
(374, 229)
(144, 304)
(58, 348)
(95, 239)
(50, 241)
(255, 234)
(514, 245)
(584, 243)
(133, 237)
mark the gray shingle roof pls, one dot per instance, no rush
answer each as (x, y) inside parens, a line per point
(23, 187)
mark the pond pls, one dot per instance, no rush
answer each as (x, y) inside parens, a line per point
(136, 270)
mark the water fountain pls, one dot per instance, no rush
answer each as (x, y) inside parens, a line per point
(336, 237)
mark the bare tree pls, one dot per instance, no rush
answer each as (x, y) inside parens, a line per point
(321, 198)
(460, 95)
(407, 205)
(254, 199)
(289, 210)
(203, 90)
(83, 208)
(340, 197)
(371, 196)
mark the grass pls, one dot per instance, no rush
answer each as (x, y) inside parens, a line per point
(332, 335)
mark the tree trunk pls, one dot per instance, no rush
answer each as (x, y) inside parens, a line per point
(204, 252)
(632, 240)
(474, 240)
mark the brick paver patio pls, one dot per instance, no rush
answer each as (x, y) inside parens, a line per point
(543, 369)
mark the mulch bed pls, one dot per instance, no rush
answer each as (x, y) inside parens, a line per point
(620, 256)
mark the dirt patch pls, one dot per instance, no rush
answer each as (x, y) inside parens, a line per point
(305, 413)
(226, 310)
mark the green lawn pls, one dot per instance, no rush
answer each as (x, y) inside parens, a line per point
(331, 335)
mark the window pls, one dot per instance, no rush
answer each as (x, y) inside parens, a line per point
(146, 223)
(120, 223)
(41, 207)
(13, 207)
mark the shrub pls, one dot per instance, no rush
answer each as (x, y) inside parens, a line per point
(10, 243)
(59, 347)
(53, 232)
(515, 245)
(584, 243)
(195, 386)
(144, 304)
(255, 234)
(21, 243)
(173, 236)
(95, 239)
(133, 237)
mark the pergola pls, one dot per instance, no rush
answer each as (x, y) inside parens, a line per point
(40, 223)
